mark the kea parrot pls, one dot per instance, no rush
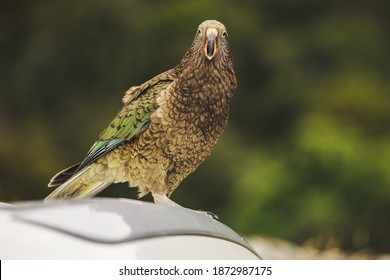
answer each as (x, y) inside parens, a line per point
(166, 127)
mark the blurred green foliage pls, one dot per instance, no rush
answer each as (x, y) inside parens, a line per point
(306, 152)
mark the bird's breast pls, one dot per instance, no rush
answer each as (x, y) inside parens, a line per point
(189, 124)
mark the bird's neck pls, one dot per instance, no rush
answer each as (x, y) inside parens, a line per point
(206, 80)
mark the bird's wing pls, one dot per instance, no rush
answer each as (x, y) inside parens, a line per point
(140, 103)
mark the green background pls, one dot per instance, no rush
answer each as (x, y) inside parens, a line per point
(306, 153)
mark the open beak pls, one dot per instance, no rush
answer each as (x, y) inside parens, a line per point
(210, 48)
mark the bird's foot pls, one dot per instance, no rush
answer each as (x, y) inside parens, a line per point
(164, 200)
(207, 213)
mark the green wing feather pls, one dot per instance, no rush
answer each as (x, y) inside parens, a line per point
(139, 104)
(132, 119)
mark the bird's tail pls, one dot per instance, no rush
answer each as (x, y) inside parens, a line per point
(76, 187)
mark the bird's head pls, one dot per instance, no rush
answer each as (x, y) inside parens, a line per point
(210, 43)
(210, 48)
(209, 58)
(211, 38)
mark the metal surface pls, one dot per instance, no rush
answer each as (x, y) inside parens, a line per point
(136, 229)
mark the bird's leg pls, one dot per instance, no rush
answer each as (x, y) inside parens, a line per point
(165, 200)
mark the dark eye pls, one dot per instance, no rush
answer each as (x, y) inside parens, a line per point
(224, 34)
(199, 32)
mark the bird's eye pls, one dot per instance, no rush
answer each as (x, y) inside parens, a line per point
(224, 34)
(199, 32)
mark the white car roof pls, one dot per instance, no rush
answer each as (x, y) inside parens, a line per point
(117, 221)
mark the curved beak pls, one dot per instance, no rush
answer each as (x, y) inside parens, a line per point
(210, 48)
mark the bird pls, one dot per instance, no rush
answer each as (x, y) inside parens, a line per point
(166, 128)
